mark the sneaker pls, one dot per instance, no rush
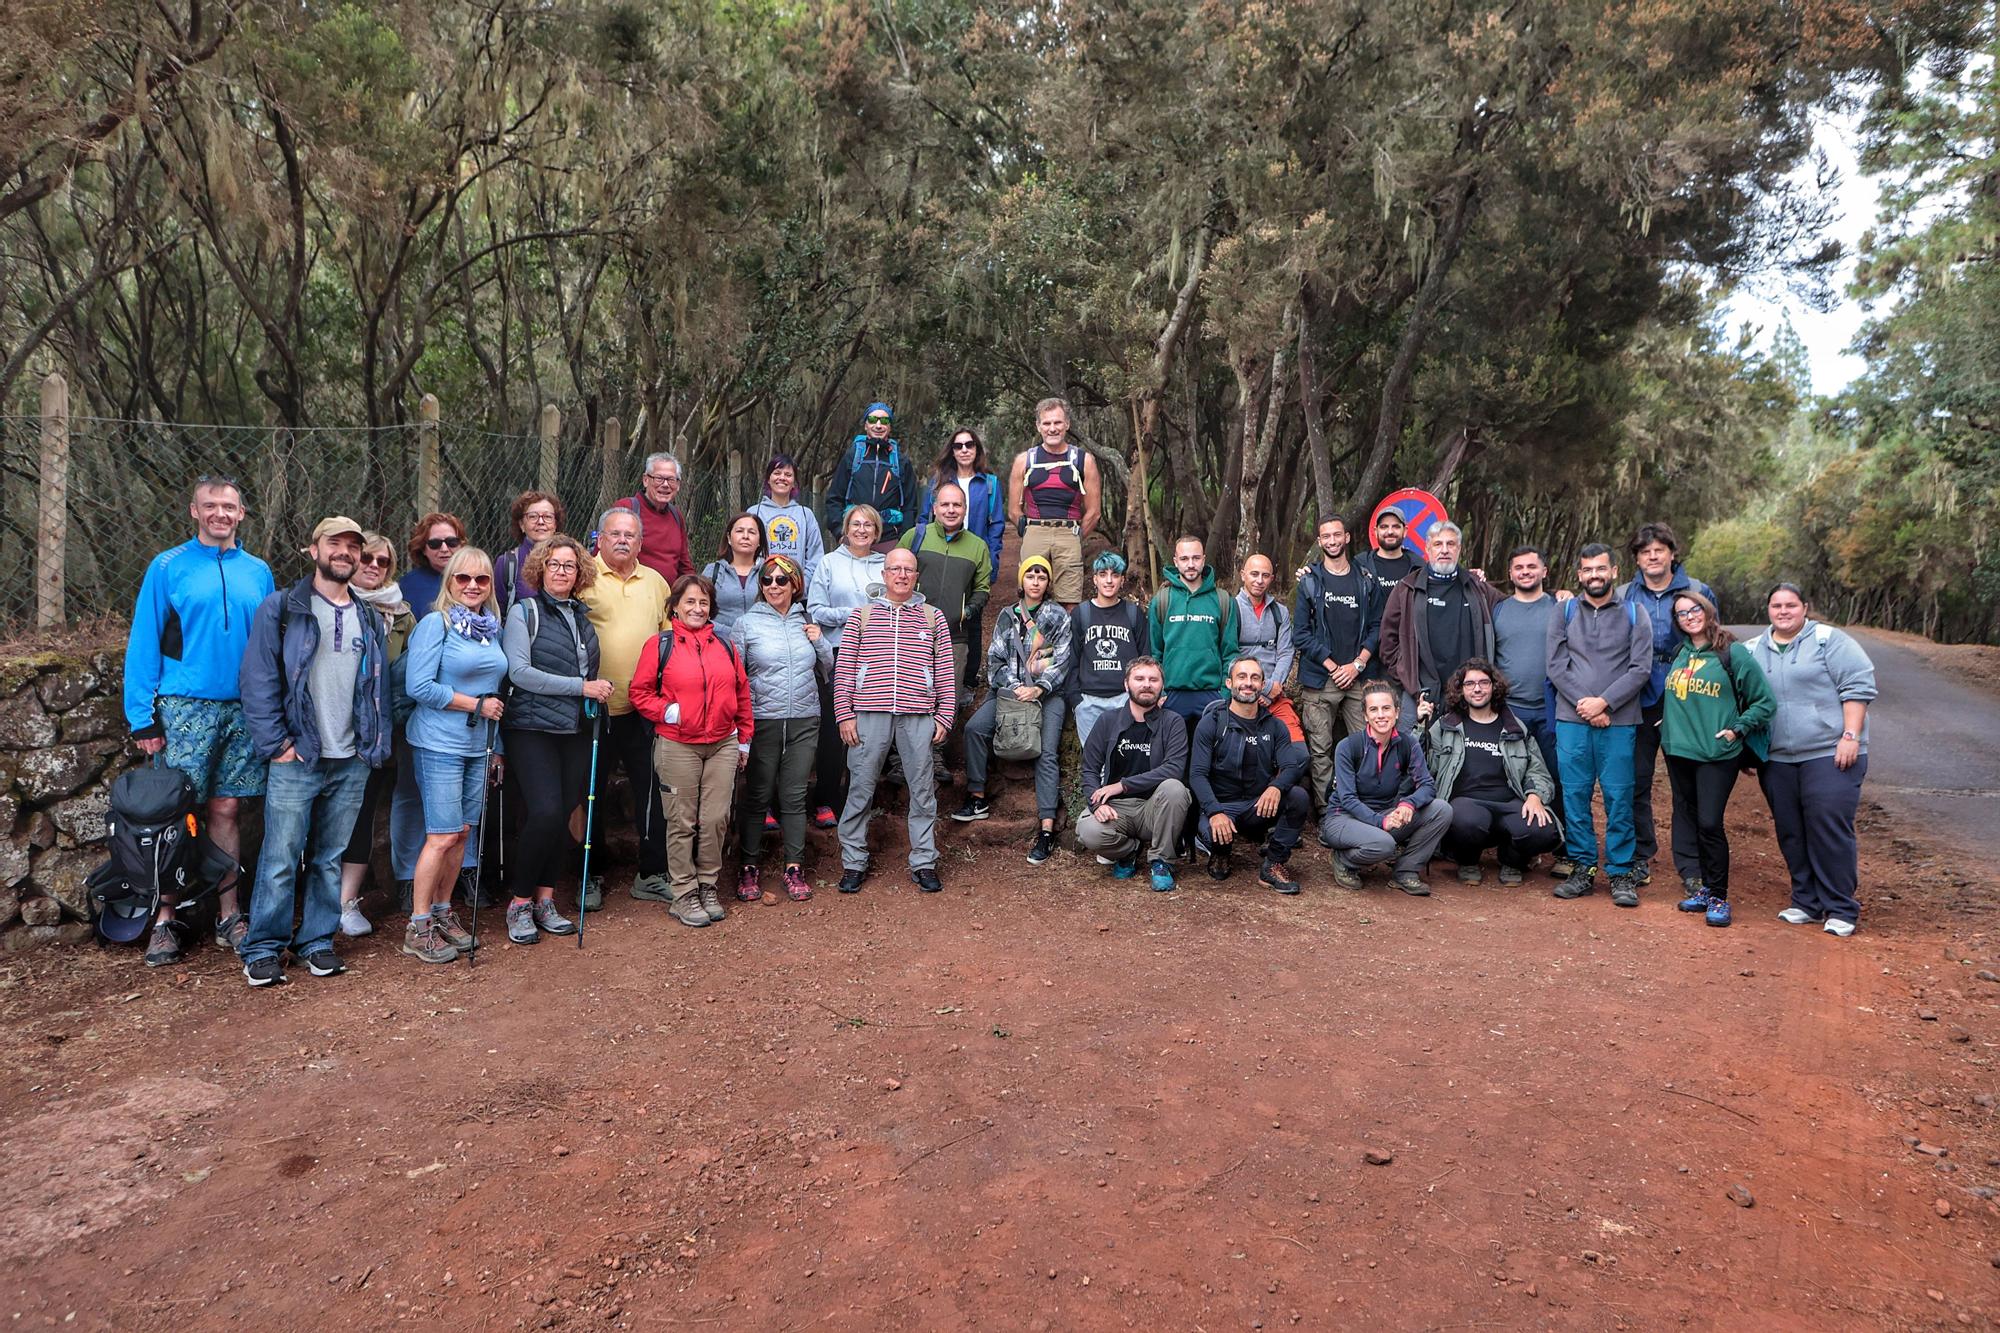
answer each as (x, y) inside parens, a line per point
(1642, 874)
(1124, 869)
(1044, 847)
(1697, 899)
(264, 972)
(1562, 867)
(1344, 874)
(825, 818)
(711, 903)
(1799, 916)
(549, 921)
(1163, 877)
(164, 949)
(1411, 884)
(451, 930)
(1104, 860)
(322, 963)
(1718, 912)
(1277, 876)
(1581, 880)
(422, 942)
(927, 880)
(1471, 874)
(1624, 891)
(748, 888)
(796, 887)
(688, 910)
(851, 880)
(653, 888)
(1512, 875)
(1839, 925)
(352, 923)
(1221, 865)
(230, 931)
(521, 924)
(770, 822)
(593, 894)
(975, 807)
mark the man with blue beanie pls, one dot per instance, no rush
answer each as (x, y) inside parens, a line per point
(873, 471)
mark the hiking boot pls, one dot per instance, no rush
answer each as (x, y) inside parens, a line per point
(593, 894)
(1411, 884)
(688, 910)
(1344, 874)
(474, 893)
(1471, 874)
(1512, 875)
(653, 888)
(1221, 865)
(164, 949)
(422, 942)
(406, 890)
(927, 880)
(975, 807)
(1624, 891)
(322, 963)
(1044, 847)
(1562, 868)
(1126, 868)
(264, 972)
(711, 903)
(352, 923)
(1718, 912)
(1642, 874)
(450, 929)
(748, 887)
(549, 921)
(825, 818)
(851, 880)
(1697, 899)
(796, 887)
(1162, 877)
(230, 930)
(521, 924)
(1277, 876)
(1799, 916)
(1581, 880)
(1839, 925)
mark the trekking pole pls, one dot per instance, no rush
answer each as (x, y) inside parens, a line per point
(486, 781)
(589, 815)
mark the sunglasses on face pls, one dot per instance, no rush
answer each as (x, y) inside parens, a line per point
(965, 444)
(472, 580)
(377, 561)
(776, 580)
(878, 421)
(445, 543)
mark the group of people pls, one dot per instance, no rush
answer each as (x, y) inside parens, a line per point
(782, 684)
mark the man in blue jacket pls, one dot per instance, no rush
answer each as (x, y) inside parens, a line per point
(1656, 552)
(189, 628)
(1245, 773)
(315, 682)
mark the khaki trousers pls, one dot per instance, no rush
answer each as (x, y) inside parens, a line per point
(696, 784)
(1327, 715)
(1153, 822)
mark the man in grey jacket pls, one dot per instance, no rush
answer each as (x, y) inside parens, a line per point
(1600, 658)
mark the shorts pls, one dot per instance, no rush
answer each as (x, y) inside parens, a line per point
(1063, 549)
(208, 740)
(452, 787)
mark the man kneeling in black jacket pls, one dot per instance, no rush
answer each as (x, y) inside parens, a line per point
(1245, 774)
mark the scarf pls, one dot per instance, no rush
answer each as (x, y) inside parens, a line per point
(388, 599)
(462, 619)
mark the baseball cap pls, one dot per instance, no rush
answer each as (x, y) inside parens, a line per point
(338, 523)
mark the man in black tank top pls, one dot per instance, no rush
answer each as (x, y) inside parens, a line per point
(1054, 496)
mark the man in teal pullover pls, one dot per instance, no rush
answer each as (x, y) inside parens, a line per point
(1193, 625)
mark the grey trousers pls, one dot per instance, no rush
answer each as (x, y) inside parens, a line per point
(1153, 822)
(911, 734)
(1412, 845)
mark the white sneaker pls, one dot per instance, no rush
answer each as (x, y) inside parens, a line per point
(1798, 916)
(352, 923)
(1839, 926)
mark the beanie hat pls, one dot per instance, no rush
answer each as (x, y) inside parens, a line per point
(1034, 562)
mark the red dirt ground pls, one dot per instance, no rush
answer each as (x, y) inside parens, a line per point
(1040, 1100)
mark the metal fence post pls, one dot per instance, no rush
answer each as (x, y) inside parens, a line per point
(551, 469)
(611, 451)
(52, 529)
(428, 462)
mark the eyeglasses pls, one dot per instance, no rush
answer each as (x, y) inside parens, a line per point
(1477, 683)
(654, 479)
(445, 543)
(378, 561)
(560, 567)
(472, 580)
(532, 517)
(877, 420)
(776, 580)
(1690, 613)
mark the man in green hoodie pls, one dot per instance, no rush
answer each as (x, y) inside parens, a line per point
(1193, 624)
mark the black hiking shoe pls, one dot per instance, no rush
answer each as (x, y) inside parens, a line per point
(1410, 883)
(1581, 880)
(850, 880)
(927, 880)
(323, 963)
(264, 972)
(1221, 865)
(1624, 891)
(1044, 848)
(1277, 876)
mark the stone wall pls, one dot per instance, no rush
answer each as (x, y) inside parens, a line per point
(62, 741)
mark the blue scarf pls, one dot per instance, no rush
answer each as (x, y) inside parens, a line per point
(462, 619)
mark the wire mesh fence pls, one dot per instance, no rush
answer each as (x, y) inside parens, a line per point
(129, 488)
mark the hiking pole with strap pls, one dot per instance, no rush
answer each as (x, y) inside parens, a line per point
(485, 782)
(596, 714)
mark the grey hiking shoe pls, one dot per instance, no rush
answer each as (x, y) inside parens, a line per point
(1471, 874)
(653, 888)
(450, 929)
(688, 910)
(1624, 891)
(422, 942)
(1411, 884)
(230, 931)
(1642, 874)
(550, 921)
(593, 894)
(521, 924)
(164, 949)
(711, 903)
(1581, 880)
(1510, 876)
(1344, 874)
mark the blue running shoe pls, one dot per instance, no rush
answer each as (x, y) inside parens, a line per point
(1163, 877)
(1697, 899)
(1718, 912)
(1127, 868)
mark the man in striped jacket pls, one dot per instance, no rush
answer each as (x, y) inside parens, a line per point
(893, 684)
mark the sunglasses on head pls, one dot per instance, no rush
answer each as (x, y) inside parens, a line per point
(472, 580)
(776, 580)
(377, 561)
(445, 543)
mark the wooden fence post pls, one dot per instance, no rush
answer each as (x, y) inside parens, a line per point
(52, 528)
(429, 461)
(551, 468)
(612, 455)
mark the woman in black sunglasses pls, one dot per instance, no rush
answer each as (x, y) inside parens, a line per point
(433, 542)
(786, 656)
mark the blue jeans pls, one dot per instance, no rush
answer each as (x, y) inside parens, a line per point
(309, 811)
(1598, 758)
(1543, 728)
(453, 787)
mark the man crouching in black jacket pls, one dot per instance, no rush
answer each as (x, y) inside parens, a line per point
(1245, 774)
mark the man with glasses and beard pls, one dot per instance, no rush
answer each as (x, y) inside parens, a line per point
(1439, 616)
(1134, 766)
(1521, 655)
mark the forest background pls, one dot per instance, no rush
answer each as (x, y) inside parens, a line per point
(1280, 256)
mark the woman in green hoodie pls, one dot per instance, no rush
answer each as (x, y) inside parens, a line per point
(1717, 703)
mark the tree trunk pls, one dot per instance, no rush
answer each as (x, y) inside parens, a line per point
(1316, 453)
(1146, 410)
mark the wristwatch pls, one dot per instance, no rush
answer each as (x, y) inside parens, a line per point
(1849, 736)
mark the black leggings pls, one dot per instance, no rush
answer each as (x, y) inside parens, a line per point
(549, 771)
(831, 761)
(1477, 825)
(1701, 796)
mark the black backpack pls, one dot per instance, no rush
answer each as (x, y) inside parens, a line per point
(157, 853)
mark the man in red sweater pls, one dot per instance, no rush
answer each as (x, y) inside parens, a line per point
(893, 684)
(663, 535)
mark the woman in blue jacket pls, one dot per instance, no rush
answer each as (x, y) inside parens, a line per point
(964, 461)
(786, 657)
(456, 664)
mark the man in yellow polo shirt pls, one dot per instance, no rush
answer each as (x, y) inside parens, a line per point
(628, 605)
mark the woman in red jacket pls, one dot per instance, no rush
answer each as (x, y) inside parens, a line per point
(690, 685)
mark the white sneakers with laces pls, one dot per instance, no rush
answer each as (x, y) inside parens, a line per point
(352, 923)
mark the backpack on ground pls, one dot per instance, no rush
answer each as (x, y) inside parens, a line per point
(157, 853)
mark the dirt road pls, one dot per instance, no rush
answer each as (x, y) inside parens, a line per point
(1934, 747)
